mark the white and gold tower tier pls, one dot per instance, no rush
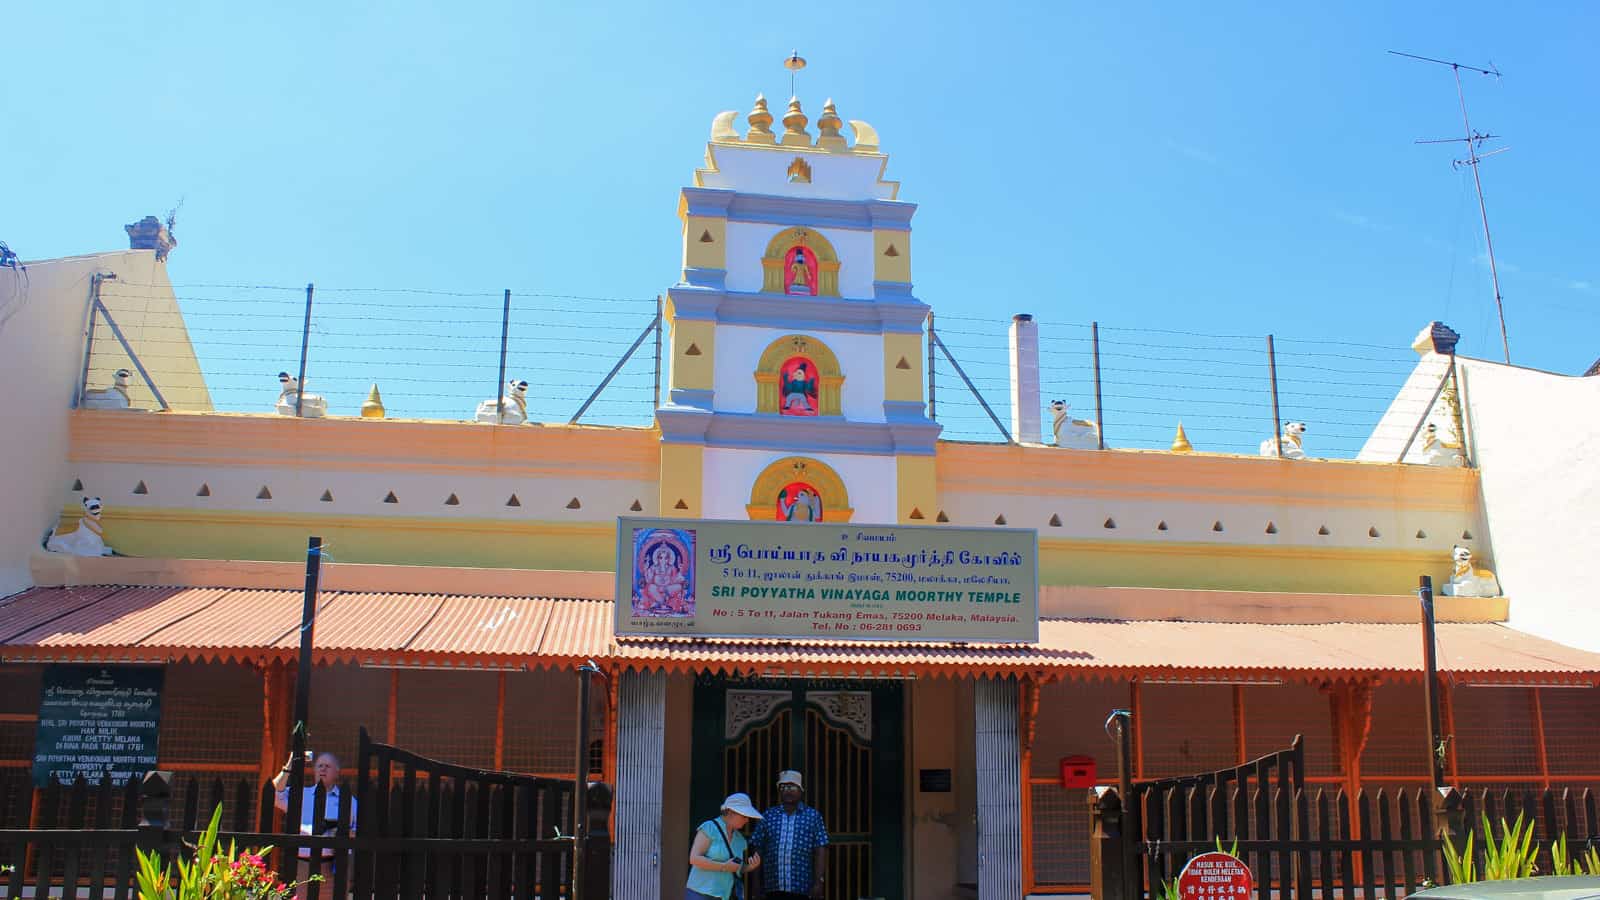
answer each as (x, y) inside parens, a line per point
(796, 350)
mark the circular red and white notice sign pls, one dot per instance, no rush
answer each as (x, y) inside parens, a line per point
(1215, 876)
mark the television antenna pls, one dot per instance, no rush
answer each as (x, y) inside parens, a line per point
(1474, 141)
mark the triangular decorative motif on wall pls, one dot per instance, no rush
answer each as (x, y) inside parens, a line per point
(327, 497)
(513, 501)
(694, 350)
(1466, 535)
(1217, 525)
(1161, 525)
(1110, 523)
(391, 498)
(941, 517)
(915, 513)
(205, 490)
(1000, 519)
(903, 363)
(574, 504)
(452, 500)
(140, 488)
(1324, 531)
(706, 238)
(1421, 535)
(1055, 520)
(1271, 528)
(636, 506)
(1373, 532)
(263, 494)
(77, 484)
(680, 504)
(891, 251)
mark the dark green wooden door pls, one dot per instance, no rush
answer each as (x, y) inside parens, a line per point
(846, 737)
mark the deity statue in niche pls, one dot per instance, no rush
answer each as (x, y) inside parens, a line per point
(799, 502)
(800, 272)
(797, 387)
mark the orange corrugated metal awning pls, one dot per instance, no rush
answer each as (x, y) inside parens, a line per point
(130, 623)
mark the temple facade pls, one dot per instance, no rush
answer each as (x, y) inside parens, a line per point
(1228, 602)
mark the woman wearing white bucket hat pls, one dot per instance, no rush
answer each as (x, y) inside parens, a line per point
(717, 859)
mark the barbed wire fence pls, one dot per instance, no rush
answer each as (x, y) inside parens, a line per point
(431, 354)
(437, 355)
(1219, 387)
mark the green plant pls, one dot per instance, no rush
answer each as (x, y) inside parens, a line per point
(1512, 855)
(1564, 864)
(211, 874)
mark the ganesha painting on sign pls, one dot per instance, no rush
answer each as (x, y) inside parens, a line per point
(663, 572)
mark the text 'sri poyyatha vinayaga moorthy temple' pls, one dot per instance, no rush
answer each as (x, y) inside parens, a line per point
(787, 567)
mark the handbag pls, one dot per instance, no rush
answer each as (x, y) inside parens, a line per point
(738, 880)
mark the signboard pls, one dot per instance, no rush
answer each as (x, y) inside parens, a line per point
(96, 721)
(833, 581)
(1215, 876)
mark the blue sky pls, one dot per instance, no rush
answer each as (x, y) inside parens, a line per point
(1222, 169)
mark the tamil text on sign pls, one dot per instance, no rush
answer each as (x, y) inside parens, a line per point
(97, 721)
(826, 581)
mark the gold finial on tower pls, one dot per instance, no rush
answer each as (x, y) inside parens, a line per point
(1180, 442)
(828, 136)
(760, 123)
(794, 125)
(373, 407)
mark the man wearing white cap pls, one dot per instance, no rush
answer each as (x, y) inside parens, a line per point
(792, 838)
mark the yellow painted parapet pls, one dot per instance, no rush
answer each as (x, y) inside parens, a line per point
(902, 367)
(916, 490)
(682, 480)
(891, 254)
(389, 540)
(351, 444)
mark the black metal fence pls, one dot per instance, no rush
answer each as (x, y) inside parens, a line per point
(1303, 843)
(422, 829)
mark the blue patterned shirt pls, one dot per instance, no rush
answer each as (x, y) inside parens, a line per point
(787, 842)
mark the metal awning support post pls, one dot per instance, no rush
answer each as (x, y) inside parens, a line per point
(655, 322)
(968, 381)
(1430, 681)
(302, 687)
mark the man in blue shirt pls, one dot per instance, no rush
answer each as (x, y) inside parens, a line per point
(791, 839)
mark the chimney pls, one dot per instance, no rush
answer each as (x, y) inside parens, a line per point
(150, 234)
(1025, 403)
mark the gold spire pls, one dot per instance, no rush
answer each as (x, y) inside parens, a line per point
(828, 136)
(373, 408)
(794, 126)
(760, 123)
(1180, 442)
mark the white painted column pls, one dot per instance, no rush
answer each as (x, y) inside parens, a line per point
(641, 723)
(1025, 402)
(999, 767)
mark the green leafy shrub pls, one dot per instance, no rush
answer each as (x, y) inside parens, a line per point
(212, 874)
(1512, 855)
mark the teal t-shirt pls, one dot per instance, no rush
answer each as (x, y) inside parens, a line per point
(717, 884)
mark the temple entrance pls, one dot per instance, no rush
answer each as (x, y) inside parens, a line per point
(846, 737)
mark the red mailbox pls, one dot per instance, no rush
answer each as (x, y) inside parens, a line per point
(1077, 772)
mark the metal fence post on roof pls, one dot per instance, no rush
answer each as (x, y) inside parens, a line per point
(1272, 372)
(500, 382)
(1099, 407)
(305, 344)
